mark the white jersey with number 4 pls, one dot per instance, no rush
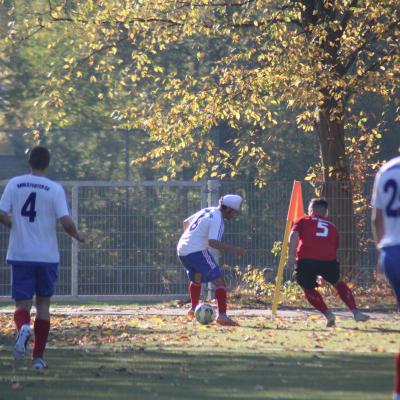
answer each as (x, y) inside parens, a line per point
(386, 196)
(35, 204)
(205, 225)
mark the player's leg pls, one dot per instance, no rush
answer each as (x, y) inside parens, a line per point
(41, 331)
(390, 261)
(221, 295)
(195, 292)
(46, 278)
(190, 262)
(306, 276)
(212, 273)
(22, 293)
(331, 273)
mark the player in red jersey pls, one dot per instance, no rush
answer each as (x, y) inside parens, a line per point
(313, 243)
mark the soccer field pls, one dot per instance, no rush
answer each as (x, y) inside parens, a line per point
(154, 352)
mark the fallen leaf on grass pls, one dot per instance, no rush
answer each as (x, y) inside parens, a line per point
(204, 327)
(378, 349)
(157, 320)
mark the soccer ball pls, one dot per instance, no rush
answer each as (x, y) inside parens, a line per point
(204, 313)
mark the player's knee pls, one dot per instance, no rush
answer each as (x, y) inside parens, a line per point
(219, 282)
(197, 278)
(24, 304)
(337, 283)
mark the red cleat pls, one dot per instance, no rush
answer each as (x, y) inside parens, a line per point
(223, 319)
(190, 313)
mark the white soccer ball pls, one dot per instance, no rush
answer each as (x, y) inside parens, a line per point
(204, 313)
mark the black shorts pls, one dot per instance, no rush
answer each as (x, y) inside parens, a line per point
(307, 271)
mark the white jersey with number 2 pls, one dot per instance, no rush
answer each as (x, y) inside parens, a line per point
(386, 196)
(35, 204)
(205, 225)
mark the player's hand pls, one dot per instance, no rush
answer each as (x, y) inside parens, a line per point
(80, 237)
(239, 251)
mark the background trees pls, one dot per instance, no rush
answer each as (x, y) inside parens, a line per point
(221, 88)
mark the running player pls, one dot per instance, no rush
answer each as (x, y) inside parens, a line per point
(386, 231)
(203, 230)
(313, 244)
(30, 206)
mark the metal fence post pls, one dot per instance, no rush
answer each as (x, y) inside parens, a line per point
(74, 243)
(212, 200)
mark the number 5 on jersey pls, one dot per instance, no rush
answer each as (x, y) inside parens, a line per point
(322, 229)
(28, 209)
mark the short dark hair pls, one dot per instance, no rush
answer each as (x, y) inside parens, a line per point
(318, 202)
(39, 158)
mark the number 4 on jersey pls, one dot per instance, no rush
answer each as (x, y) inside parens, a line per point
(28, 209)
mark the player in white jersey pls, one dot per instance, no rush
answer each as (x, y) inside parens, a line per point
(30, 206)
(203, 230)
(386, 230)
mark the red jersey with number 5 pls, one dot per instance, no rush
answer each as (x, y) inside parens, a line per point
(318, 238)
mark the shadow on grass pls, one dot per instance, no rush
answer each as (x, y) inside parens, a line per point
(323, 328)
(192, 374)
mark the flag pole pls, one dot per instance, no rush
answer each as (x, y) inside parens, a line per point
(295, 211)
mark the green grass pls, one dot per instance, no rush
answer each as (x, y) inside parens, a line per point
(166, 357)
(196, 374)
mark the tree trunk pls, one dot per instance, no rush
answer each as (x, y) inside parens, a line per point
(337, 189)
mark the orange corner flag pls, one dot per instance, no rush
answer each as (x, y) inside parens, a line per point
(296, 211)
(296, 208)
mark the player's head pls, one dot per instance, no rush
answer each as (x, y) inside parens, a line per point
(39, 158)
(318, 206)
(230, 205)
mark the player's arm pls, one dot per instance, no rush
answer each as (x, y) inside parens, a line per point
(218, 245)
(5, 206)
(69, 227)
(378, 228)
(293, 240)
(5, 219)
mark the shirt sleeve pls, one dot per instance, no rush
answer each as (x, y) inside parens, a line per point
(336, 238)
(5, 202)
(216, 227)
(377, 200)
(191, 218)
(297, 225)
(61, 204)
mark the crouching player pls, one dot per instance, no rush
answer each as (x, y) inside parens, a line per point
(313, 244)
(203, 230)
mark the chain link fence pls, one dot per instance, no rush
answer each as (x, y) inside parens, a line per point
(132, 229)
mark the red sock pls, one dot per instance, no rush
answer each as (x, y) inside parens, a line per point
(346, 295)
(195, 291)
(21, 317)
(316, 300)
(41, 329)
(397, 374)
(220, 295)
